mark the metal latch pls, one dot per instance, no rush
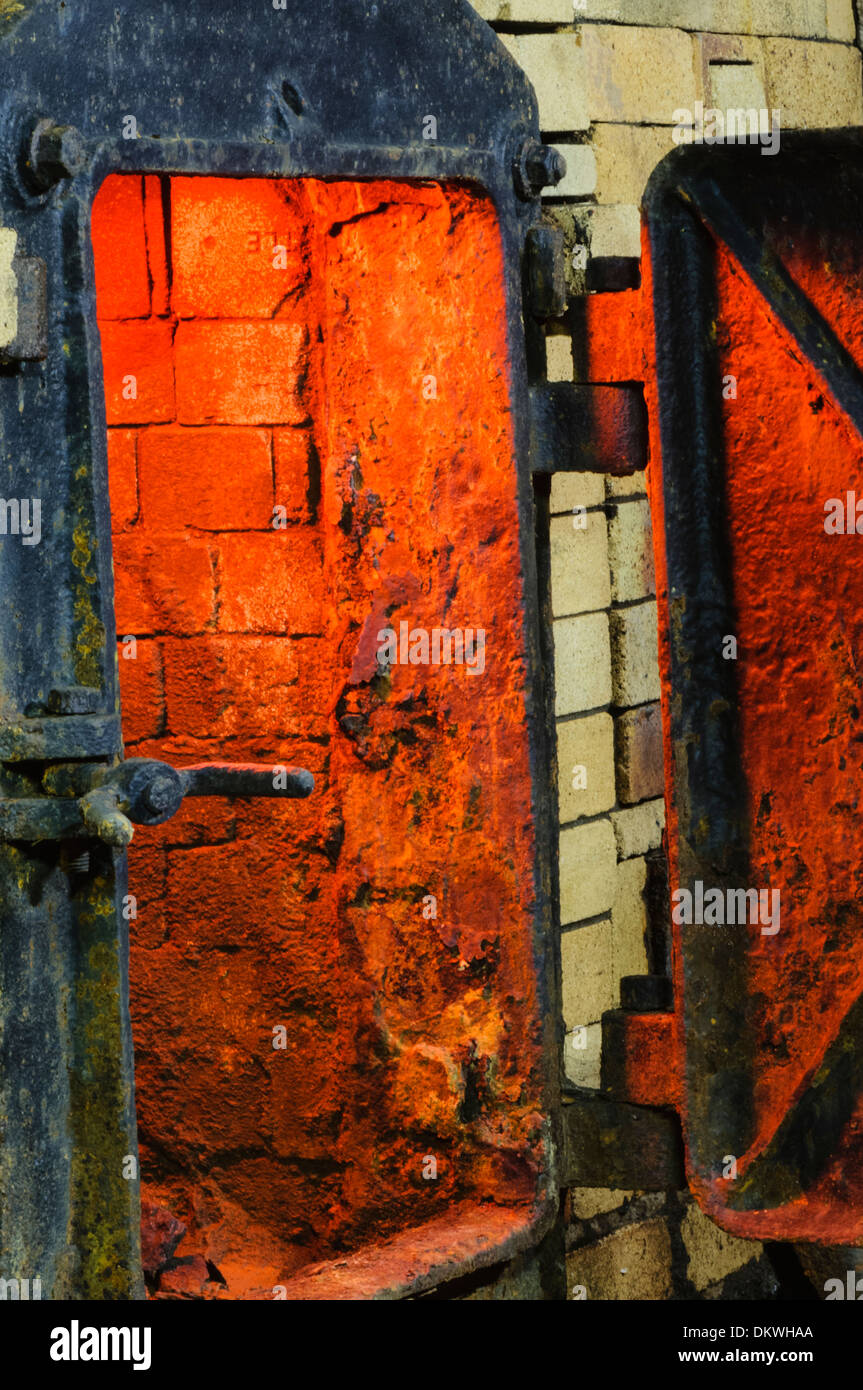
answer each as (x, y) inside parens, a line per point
(103, 802)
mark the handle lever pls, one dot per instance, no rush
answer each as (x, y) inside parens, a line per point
(246, 779)
(105, 802)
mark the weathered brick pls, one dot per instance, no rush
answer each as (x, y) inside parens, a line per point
(634, 1262)
(138, 370)
(626, 156)
(271, 582)
(556, 65)
(585, 753)
(558, 357)
(162, 585)
(724, 49)
(633, 486)
(579, 181)
(815, 85)
(713, 1253)
(582, 663)
(120, 249)
(228, 686)
(579, 564)
(141, 695)
(634, 668)
(736, 85)
(240, 373)
(629, 922)
(525, 11)
(638, 754)
(802, 18)
(225, 239)
(588, 871)
(611, 231)
(588, 976)
(209, 479)
(582, 1055)
(630, 551)
(841, 21)
(638, 829)
(293, 459)
(570, 490)
(122, 478)
(585, 1202)
(636, 74)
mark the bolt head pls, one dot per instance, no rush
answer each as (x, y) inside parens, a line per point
(537, 166)
(556, 167)
(160, 794)
(54, 152)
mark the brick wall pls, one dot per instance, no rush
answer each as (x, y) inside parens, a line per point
(206, 435)
(609, 76)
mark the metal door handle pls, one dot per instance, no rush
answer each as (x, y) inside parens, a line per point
(95, 799)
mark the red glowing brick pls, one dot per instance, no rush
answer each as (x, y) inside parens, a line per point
(120, 250)
(652, 1058)
(238, 247)
(200, 820)
(229, 686)
(122, 478)
(295, 465)
(616, 329)
(139, 372)
(142, 699)
(174, 974)
(271, 583)
(162, 586)
(312, 918)
(210, 479)
(157, 260)
(240, 373)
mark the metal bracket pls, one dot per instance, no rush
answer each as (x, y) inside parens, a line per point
(42, 739)
(587, 429)
(546, 277)
(609, 1143)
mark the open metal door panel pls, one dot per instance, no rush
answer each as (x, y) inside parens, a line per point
(756, 271)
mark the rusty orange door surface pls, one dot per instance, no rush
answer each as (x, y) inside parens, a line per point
(756, 273)
(338, 1039)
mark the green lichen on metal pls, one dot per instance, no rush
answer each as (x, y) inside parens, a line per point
(10, 13)
(89, 628)
(103, 1198)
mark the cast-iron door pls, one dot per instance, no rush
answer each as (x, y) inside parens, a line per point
(757, 281)
(342, 91)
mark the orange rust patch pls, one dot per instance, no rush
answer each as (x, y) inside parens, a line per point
(652, 1060)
